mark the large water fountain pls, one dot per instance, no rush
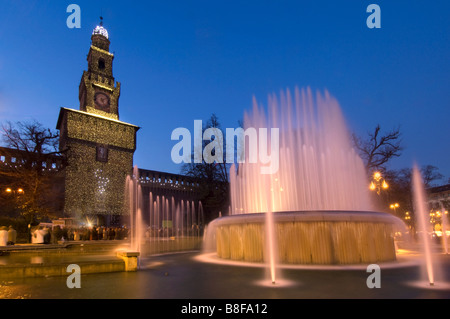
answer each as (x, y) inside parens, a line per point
(316, 208)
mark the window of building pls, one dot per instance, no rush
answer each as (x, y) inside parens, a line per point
(101, 64)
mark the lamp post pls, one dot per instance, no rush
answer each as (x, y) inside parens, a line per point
(407, 219)
(18, 191)
(378, 183)
(394, 207)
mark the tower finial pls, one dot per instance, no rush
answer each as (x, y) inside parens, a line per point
(101, 21)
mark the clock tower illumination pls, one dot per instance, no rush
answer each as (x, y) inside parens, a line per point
(99, 147)
(98, 93)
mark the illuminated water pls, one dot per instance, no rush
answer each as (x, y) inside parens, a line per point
(432, 271)
(321, 186)
(318, 168)
(180, 276)
(166, 225)
(135, 204)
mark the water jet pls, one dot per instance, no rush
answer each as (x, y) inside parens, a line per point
(134, 198)
(316, 209)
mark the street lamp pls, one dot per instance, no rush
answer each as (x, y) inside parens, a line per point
(18, 191)
(378, 183)
(394, 206)
(408, 218)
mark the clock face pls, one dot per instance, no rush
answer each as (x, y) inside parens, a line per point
(101, 101)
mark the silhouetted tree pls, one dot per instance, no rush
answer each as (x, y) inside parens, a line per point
(31, 144)
(213, 176)
(430, 174)
(377, 148)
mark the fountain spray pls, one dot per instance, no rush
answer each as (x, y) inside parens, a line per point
(444, 229)
(419, 197)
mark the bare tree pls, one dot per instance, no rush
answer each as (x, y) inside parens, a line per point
(430, 174)
(31, 137)
(32, 145)
(378, 148)
(213, 176)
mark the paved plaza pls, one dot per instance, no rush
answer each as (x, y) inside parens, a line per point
(187, 276)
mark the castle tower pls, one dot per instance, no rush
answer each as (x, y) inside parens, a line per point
(97, 92)
(99, 147)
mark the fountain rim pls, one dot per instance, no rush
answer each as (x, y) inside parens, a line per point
(310, 216)
(401, 262)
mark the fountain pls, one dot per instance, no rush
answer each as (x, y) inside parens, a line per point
(430, 264)
(316, 208)
(444, 229)
(175, 225)
(421, 211)
(133, 193)
(161, 223)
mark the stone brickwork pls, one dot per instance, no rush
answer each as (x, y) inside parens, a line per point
(98, 93)
(98, 146)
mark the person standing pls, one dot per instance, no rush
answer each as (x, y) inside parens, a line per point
(48, 234)
(3, 236)
(99, 233)
(94, 233)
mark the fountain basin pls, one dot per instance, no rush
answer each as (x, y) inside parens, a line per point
(130, 258)
(309, 237)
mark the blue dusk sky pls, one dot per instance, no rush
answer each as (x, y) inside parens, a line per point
(179, 61)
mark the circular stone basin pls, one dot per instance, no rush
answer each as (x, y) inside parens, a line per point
(309, 237)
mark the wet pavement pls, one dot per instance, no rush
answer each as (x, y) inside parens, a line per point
(183, 276)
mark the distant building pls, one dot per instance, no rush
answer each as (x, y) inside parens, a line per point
(98, 152)
(18, 171)
(439, 195)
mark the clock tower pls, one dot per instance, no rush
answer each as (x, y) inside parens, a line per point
(99, 148)
(98, 93)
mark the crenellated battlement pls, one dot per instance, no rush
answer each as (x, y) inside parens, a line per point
(100, 80)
